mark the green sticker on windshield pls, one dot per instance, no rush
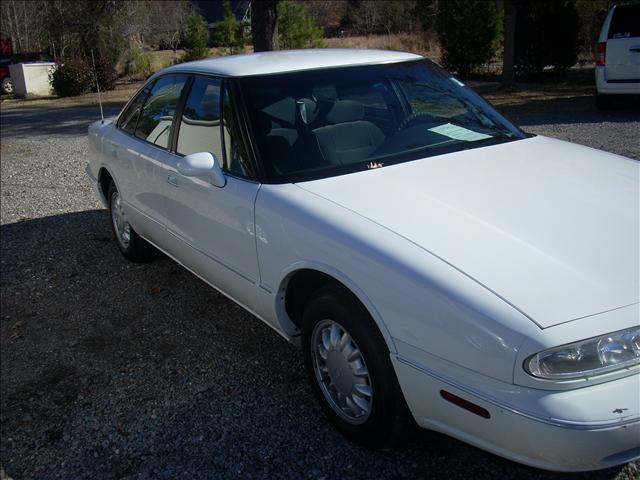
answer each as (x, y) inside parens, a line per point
(459, 133)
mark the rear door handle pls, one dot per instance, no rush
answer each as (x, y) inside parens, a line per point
(634, 48)
(171, 180)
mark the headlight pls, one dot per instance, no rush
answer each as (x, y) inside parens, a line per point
(587, 358)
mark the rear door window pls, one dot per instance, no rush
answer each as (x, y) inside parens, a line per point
(625, 22)
(129, 117)
(156, 119)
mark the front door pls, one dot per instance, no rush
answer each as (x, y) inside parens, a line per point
(212, 228)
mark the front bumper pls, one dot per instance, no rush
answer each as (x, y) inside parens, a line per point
(552, 430)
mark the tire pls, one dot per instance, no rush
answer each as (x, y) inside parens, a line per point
(603, 101)
(7, 85)
(132, 246)
(383, 418)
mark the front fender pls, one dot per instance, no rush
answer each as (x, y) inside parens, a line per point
(413, 296)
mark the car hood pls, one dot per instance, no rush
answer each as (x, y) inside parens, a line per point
(549, 226)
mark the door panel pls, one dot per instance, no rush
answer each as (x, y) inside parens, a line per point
(143, 129)
(623, 58)
(137, 174)
(210, 229)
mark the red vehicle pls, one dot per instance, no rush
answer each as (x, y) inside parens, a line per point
(6, 49)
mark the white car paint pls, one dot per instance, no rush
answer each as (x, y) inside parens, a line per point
(290, 60)
(621, 72)
(468, 263)
(538, 210)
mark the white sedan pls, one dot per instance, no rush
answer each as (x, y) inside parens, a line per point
(437, 265)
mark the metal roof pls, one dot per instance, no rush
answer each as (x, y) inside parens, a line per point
(289, 60)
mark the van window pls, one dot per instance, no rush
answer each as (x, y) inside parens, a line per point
(625, 22)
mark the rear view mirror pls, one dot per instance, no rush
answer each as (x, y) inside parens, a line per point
(202, 164)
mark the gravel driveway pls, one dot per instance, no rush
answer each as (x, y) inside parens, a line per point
(116, 370)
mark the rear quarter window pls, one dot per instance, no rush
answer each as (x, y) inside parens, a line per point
(625, 22)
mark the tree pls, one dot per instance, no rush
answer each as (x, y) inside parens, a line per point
(384, 16)
(547, 33)
(195, 39)
(296, 28)
(328, 14)
(228, 32)
(509, 43)
(264, 25)
(468, 31)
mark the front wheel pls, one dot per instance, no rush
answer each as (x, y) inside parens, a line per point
(348, 365)
(132, 246)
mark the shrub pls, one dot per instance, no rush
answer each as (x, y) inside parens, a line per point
(137, 63)
(195, 39)
(76, 76)
(296, 28)
(468, 32)
(547, 33)
(229, 32)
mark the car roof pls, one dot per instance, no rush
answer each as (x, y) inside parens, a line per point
(280, 61)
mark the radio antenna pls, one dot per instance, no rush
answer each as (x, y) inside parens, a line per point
(95, 72)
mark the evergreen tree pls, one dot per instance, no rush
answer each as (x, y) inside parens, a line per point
(195, 39)
(547, 34)
(468, 32)
(229, 32)
(296, 28)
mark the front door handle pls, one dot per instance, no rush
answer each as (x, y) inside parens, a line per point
(172, 180)
(634, 48)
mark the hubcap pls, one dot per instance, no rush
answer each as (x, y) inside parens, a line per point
(120, 225)
(341, 371)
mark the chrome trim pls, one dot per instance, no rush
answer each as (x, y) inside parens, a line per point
(556, 422)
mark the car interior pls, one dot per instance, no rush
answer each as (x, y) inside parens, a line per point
(321, 129)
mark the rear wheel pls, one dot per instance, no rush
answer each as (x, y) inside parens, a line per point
(130, 244)
(348, 365)
(603, 101)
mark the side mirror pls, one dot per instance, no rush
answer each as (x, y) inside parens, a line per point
(202, 164)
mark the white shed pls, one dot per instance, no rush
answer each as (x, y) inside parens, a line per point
(31, 79)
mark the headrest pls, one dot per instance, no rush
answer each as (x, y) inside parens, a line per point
(345, 111)
(325, 93)
(283, 111)
(308, 110)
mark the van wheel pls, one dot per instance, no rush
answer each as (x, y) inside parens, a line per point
(603, 101)
(131, 245)
(348, 366)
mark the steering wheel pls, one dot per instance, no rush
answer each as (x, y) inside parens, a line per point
(412, 118)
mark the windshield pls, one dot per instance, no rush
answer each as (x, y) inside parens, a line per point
(321, 123)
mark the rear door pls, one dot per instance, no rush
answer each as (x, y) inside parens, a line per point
(144, 130)
(623, 44)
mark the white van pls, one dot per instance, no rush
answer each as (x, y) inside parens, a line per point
(618, 54)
